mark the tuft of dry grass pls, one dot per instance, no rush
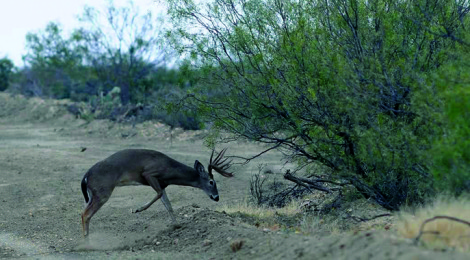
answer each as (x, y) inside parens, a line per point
(440, 233)
(320, 225)
(236, 245)
(260, 212)
(264, 217)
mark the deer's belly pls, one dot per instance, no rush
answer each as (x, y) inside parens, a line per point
(128, 183)
(129, 180)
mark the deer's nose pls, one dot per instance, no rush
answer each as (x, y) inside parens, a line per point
(215, 197)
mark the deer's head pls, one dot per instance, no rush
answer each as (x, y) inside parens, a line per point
(207, 182)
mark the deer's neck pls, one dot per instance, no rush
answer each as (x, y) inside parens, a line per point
(184, 176)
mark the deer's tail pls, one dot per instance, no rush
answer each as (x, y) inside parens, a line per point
(85, 190)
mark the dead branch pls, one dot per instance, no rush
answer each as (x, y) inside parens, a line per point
(247, 160)
(305, 182)
(335, 204)
(362, 219)
(256, 188)
(421, 232)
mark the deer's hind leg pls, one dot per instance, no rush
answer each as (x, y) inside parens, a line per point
(95, 203)
(146, 206)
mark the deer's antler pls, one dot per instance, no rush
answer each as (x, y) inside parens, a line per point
(220, 165)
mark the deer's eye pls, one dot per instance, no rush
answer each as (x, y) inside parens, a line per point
(211, 183)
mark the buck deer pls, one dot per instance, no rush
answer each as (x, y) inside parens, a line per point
(146, 167)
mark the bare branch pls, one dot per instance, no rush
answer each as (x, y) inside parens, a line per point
(305, 182)
(422, 232)
(362, 219)
(247, 160)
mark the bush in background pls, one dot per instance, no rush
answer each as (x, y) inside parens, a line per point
(6, 70)
(117, 48)
(451, 150)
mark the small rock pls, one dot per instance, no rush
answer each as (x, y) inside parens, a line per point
(206, 242)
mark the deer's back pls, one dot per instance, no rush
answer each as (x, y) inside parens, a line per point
(127, 166)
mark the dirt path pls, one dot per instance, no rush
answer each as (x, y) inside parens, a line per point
(41, 166)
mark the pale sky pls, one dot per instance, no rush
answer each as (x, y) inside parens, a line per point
(18, 17)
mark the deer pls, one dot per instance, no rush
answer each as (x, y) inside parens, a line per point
(150, 168)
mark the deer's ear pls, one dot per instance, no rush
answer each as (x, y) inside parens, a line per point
(199, 167)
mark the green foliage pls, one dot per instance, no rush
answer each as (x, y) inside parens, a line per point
(122, 45)
(451, 151)
(187, 121)
(55, 68)
(340, 83)
(6, 70)
(115, 49)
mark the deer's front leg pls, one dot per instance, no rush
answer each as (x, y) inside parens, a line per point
(167, 204)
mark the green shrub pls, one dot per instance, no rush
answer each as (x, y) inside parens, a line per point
(451, 151)
(6, 70)
(337, 83)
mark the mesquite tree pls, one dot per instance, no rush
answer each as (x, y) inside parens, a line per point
(340, 83)
(122, 45)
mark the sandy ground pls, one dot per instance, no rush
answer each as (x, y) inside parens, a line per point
(42, 164)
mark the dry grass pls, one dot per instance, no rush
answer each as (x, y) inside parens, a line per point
(260, 212)
(265, 218)
(236, 245)
(442, 232)
(278, 218)
(299, 217)
(317, 225)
